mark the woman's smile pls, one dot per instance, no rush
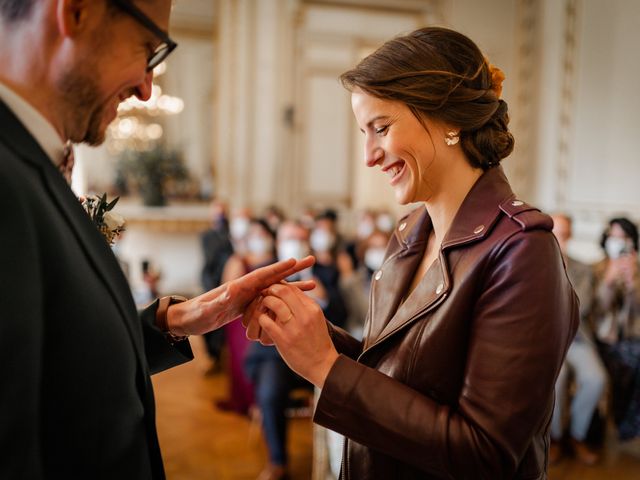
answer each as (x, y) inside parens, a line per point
(395, 171)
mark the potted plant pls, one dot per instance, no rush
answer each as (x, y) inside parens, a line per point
(150, 172)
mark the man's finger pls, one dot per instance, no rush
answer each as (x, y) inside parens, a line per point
(304, 285)
(295, 268)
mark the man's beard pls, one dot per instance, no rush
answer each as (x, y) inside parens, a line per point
(83, 110)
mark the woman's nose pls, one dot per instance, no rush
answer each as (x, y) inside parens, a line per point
(372, 154)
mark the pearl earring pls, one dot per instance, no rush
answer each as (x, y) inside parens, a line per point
(452, 138)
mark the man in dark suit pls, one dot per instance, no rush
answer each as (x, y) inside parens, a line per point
(75, 356)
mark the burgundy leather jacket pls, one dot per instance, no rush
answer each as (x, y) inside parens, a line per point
(458, 380)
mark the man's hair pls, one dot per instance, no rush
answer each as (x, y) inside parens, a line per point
(15, 10)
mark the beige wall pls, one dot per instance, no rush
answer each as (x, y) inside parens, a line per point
(274, 126)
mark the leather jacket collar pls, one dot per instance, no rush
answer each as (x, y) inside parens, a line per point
(490, 196)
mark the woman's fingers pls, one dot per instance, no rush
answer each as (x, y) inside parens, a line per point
(271, 328)
(293, 297)
(282, 311)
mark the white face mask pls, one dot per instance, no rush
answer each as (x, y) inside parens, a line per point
(259, 245)
(321, 240)
(385, 223)
(374, 257)
(292, 249)
(616, 247)
(239, 227)
(365, 229)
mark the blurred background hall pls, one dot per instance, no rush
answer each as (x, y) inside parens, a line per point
(248, 146)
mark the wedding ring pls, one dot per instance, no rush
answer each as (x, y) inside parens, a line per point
(288, 319)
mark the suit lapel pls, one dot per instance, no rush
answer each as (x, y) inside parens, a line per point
(17, 138)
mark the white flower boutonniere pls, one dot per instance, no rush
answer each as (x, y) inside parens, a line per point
(110, 224)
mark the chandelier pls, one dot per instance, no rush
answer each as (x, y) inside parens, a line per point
(137, 127)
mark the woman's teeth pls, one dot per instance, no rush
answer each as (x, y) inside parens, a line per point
(393, 171)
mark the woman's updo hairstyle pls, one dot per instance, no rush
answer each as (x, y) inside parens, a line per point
(441, 74)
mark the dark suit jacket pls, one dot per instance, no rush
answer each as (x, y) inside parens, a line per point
(75, 355)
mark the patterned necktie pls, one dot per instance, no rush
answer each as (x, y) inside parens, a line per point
(66, 165)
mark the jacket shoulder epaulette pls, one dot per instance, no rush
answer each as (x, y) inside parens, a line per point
(526, 216)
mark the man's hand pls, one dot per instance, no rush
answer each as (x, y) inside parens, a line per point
(224, 304)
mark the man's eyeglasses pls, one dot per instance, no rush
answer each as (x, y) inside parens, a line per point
(166, 46)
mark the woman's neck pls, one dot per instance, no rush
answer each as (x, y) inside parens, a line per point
(444, 204)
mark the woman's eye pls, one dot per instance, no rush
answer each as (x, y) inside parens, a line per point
(382, 130)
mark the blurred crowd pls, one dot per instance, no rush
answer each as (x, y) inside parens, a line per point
(260, 383)
(599, 382)
(600, 379)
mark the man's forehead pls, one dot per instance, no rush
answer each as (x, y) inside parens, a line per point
(157, 10)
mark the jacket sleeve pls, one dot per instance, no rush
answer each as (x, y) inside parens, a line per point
(343, 341)
(161, 354)
(523, 322)
(21, 337)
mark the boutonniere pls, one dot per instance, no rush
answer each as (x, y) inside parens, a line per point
(110, 224)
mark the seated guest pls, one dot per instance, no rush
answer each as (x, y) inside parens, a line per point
(272, 379)
(216, 250)
(325, 242)
(617, 322)
(355, 284)
(260, 251)
(582, 359)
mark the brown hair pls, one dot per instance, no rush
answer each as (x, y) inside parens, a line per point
(441, 74)
(15, 10)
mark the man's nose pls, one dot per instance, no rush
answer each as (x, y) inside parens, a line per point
(143, 90)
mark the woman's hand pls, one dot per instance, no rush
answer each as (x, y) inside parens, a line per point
(299, 330)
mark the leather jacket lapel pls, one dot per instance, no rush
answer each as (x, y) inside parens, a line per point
(430, 291)
(476, 217)
(392, 279)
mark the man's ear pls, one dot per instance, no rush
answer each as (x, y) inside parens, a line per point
(73, 16)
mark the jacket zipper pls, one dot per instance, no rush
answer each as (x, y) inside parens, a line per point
(345, 460)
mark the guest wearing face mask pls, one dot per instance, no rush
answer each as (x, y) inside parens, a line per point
(238, 229)
(366, 224)
(216, 250)
(582, 359)
(356, 284)
(259, 251)
(617, 322)
(293, 242)
(385, 222)
(272, 379)
(325, 246)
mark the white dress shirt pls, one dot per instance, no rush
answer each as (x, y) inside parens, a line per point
(37, 125)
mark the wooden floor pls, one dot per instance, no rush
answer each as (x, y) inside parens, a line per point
(199, 442)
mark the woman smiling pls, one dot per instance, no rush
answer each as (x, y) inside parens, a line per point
(471, 312)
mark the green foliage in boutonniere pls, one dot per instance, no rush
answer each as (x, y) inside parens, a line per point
(110, 224)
